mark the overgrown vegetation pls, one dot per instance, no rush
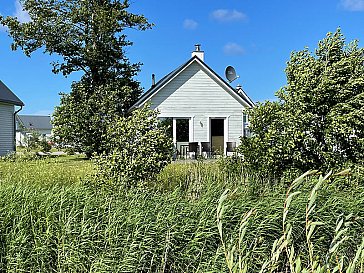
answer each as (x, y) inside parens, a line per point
(138, 149)
(284, 254)
(317, 122)
(51, 220)
(61, 215)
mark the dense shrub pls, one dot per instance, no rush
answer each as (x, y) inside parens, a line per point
(317, 120)
(138, 148)
(45, 146)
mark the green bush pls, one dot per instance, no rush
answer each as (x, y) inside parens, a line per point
(45, 146)
(317, 120)
(35, 141)
(139, 148)
(31, 139)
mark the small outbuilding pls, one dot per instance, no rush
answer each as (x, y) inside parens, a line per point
(205, 113)
(8, 101)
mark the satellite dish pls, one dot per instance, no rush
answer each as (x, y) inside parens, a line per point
(230, 74)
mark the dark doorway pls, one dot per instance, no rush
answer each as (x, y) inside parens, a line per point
(182, 130)
(182, 136)
(217, 135)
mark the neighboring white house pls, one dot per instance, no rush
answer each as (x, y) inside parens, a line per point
(28, 123)
(201, 106)
(8, 101)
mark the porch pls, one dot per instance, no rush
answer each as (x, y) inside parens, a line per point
(206, 136)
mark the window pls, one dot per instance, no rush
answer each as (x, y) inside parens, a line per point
(246, 129)
(168, 122)
(182, 130)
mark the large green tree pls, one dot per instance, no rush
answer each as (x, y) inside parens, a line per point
(88, 36)
(318, 120)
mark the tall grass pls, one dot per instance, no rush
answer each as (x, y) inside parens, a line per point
(52, 220)
(284, 257)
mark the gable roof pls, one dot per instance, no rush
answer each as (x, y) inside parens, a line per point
(239, 95)
(35, 122)
(9, 97)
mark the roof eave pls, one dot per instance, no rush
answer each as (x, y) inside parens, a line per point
(17, 103)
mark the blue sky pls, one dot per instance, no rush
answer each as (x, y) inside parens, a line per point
(256, 37)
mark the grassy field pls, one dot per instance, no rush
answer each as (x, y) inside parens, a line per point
(52, 219)
(48, 171)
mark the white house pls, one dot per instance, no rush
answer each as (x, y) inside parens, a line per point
(8, 101)
(28, 123)
(203, 109)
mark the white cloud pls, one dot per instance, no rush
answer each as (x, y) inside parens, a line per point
(233, 49)
(190, 24)
(225, 15)
(353, 5)
(20, 13)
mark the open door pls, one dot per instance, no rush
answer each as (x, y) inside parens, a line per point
(217, 135)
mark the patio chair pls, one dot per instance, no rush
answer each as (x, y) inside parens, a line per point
(230, 147)
(183, 151)
(206, 149)
(193, 148)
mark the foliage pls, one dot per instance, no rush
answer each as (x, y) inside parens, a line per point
(319, 118)
(139, 148)
(82, 119)
(33, 140)
(88, 36)
(52, 221)
(283, 254)
(231, 166)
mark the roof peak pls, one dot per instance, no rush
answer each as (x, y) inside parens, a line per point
(166, 79)
(198, 52)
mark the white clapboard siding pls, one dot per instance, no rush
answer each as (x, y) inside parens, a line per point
(195, 93)
(6, 128)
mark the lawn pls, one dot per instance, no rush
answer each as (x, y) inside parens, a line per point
(63, 169)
